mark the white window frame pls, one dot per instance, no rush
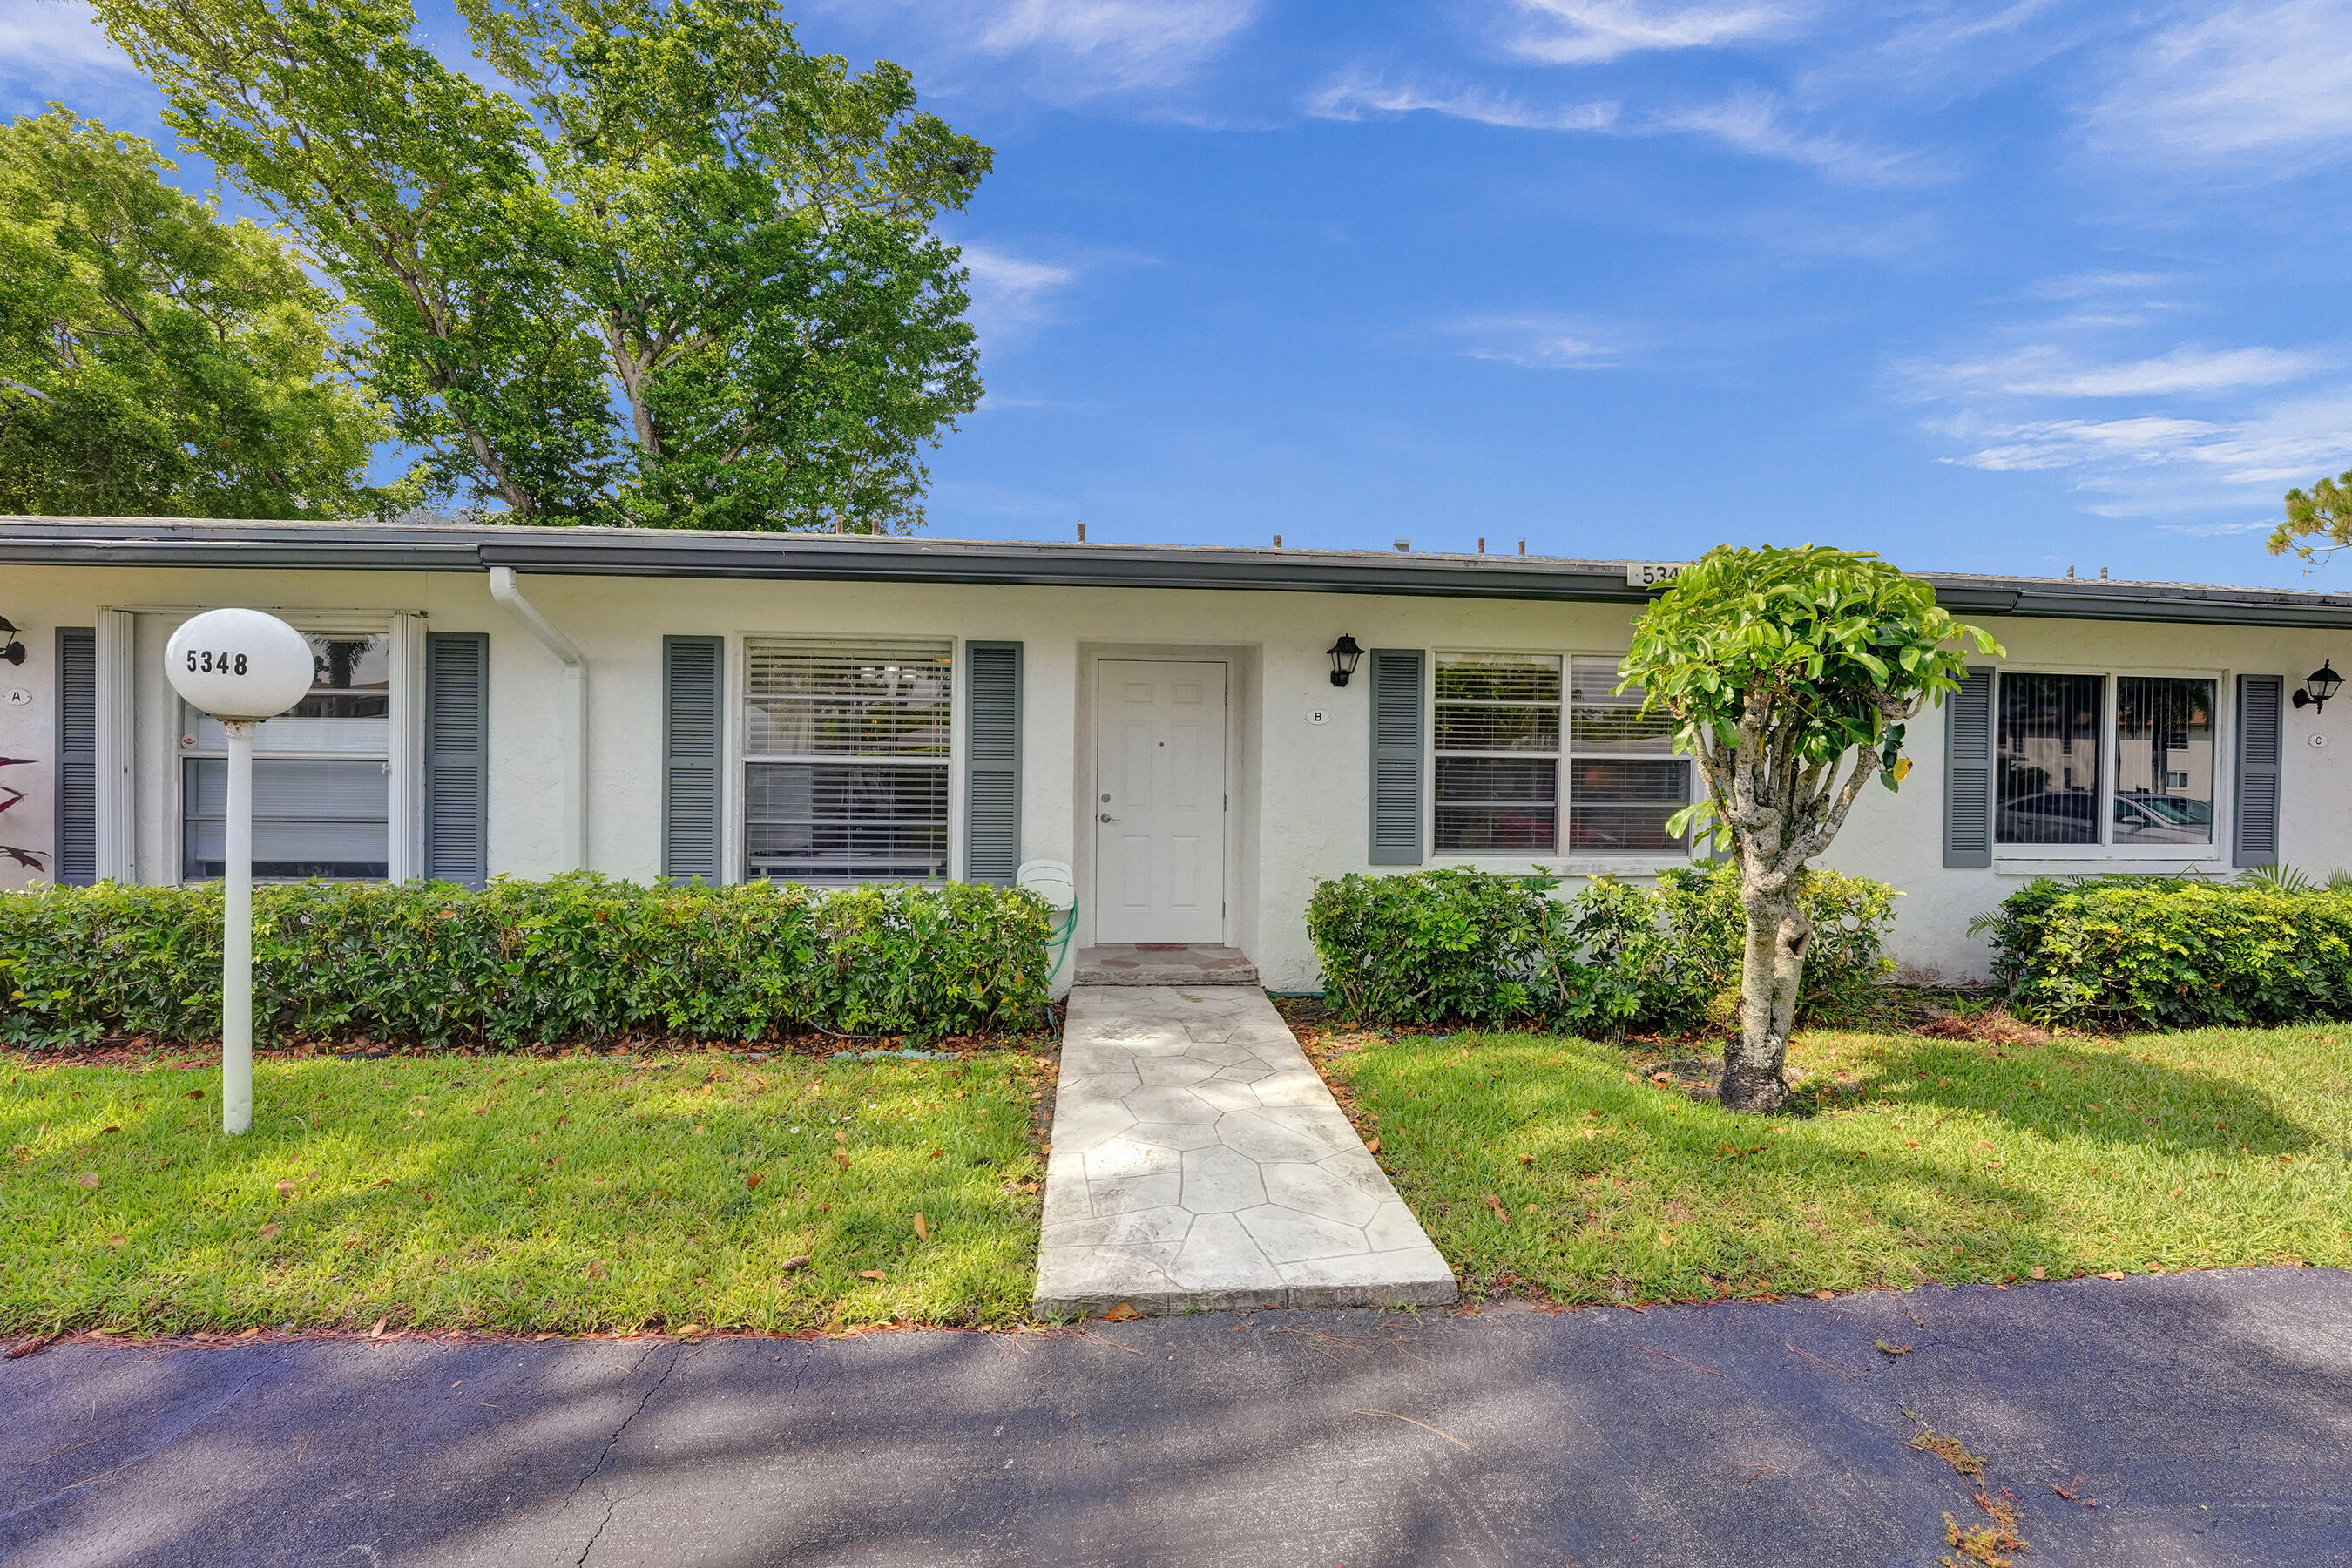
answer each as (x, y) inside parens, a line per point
(403, 762)
(2067, 856)
(1623, 862)
(735, 829)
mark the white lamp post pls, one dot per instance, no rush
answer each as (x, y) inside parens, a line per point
(241, 667)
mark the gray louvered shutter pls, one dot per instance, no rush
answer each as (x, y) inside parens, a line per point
(991, 722)
(457, 757)
(2255, 841)
(1968, 771)
(75, 862)
(1396, 755)
(691, 762)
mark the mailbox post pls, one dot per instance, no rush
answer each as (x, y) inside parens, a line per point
(241, 667)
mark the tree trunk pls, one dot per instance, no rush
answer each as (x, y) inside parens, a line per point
(1772, 970)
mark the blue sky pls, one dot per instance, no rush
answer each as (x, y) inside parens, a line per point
(2002, 287)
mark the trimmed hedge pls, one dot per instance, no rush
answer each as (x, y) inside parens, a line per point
(1456, 945)
(579, 957)
(2171, 952)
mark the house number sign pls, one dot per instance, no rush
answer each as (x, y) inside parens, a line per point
(1653, 573)
(242, 667)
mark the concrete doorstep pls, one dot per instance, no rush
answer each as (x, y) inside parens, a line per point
(1198, 1162)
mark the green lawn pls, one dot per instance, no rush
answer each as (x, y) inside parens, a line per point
(1925, 1158)
(521, 1194)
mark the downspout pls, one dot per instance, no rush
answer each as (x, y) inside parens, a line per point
(576, 703)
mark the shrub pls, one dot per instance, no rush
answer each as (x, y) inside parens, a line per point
(2172, 952)
(1457, 945)
(1462, 946)
(1706, 931)
(579, 957)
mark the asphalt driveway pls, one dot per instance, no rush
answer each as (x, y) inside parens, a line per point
(2208, 1414)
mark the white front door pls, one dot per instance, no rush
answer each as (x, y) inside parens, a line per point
(1159, 800)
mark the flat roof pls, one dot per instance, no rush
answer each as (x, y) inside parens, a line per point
(458, 546)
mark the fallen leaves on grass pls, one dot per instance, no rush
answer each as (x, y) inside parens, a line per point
(923, 1227)
(1496, 1205)
(88, 1178)
(795, 1264)
(871, 1274)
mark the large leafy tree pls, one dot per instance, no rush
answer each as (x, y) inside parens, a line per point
(687, 278)
(1790, 673)
(156, 360)
(2323, 512)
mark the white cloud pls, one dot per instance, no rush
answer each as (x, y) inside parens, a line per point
(2151, 465)
(2237, 82)
(50, 38)
(1075, 48)
(1750, 123)
(2069, 443)
(1012, 296)
(1591, 32)
(1754, 122)
(2046, 371)
(1357, 96)
(1532, 341)
(2218, 530)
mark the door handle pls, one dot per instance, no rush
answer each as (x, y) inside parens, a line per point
(1107, 816)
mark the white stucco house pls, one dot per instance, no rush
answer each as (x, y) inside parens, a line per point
(1163, 721)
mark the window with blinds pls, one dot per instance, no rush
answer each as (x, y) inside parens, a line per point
(845, 749)
(1497, 753)
(1625, 781)
(321, 784)
(1511, 727)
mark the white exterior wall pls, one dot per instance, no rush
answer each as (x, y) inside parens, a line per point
(1299, 790)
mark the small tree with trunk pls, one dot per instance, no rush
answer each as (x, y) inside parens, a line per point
(1790, 673)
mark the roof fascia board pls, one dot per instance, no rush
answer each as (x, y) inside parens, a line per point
(654, 554)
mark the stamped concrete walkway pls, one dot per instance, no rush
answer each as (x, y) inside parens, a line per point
(1198, 1162)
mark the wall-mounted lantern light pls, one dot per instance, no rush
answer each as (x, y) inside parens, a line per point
(1344, 655)
(2318, 686)
(10, 648)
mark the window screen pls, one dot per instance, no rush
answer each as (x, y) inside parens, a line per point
(321, 784)
(1498, 752)
(1624, 779)
(2048, 759)
(2164, 760)
(845, 770)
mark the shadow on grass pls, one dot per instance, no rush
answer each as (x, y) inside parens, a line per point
(1535, 1160)
(2058, 1091)
(644, 1200)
